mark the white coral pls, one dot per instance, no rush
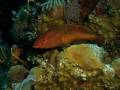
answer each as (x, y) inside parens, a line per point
(108, 71)
(25, 84)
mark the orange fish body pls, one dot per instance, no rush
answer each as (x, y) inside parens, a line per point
(65, 34)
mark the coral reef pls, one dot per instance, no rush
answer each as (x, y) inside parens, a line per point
(53, 57)
(55, 14)
(115, 3)
(104, 20)
(87, 56)
(78, 67)
(104, 25)
(83, 77)
(17, 73)
(75, 76)
(44, 75)
(89, 28)
(116, 66)
(24, 25)
(53, 9)
(72, 76)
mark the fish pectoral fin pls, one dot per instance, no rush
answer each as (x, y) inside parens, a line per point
(64, 45)
(81, 41)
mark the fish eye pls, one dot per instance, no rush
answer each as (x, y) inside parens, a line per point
(44, 39)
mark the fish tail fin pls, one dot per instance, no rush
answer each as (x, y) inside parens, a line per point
(98, 39)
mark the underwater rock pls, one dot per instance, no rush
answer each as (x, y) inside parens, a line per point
(116, 66)
(44, 75)
(70, 74)
(54, 13)
(17, 73)
(87, 56)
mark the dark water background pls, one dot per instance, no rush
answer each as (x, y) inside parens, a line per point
(6, 23)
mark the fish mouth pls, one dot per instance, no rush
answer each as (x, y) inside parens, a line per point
(38, 46)
(35, 46)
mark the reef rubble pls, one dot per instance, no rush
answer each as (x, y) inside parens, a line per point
(78, 66)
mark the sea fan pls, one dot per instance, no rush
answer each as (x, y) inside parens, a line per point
(72, 11)
(52, 3)
(25, 84)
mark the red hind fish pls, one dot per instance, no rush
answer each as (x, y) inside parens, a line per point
(66, 34)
